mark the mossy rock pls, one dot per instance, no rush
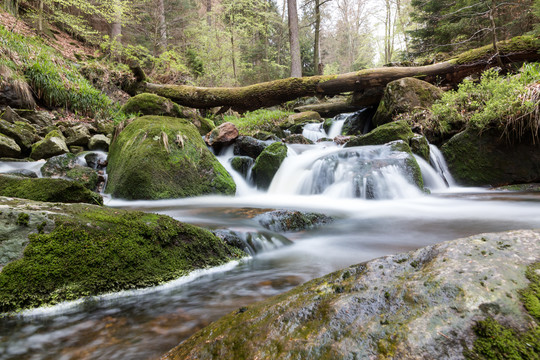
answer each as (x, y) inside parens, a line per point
(398, 130)
(53, 144)
(359, 123)
(204, 125)
(287, 220)
(268, 163)
(420, 146)
(92, 250)
(482, 159)
(66, 166)
(47, 189)
(404, 96)
(297, 139)
(242, 165)
(151, 104)
(400, 306)
(301, 118)
(157, 157)
(8, 147)
(23, 133)
(249, 146)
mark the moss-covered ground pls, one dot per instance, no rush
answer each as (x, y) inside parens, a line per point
(95, 250)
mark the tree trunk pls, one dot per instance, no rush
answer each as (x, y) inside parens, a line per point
(296, 62)
(116, 30)
(276, 92)
(162, 26)
(209, 12)
(316, 47)
(40, 17)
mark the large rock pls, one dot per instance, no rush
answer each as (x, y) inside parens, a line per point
(249, 146)
(23, 133)
(67, 166)
(398, 130)
(79, 250)
(268, 163)
(151, 104)
(434, 303)
(99, 142)
(53, 144)
(77, 135)
(47, 189)
(487, 159)
(221, 136)
(41, 119)
(8, 147)
(157, 157)
(359, 123)
(300, 118)
(404, 96)
(288, 220)
(242, 165)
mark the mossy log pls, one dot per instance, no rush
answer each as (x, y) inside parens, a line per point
(524, 48)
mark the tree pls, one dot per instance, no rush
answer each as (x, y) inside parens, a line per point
(296, 63)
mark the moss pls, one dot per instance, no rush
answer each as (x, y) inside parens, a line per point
(531, 295)
(516, 44)
(158, 157)
(420, 146)
(398, 130)
(98, 250)
(45, 189)
(23, 219)
(268, 163)
(151, 104)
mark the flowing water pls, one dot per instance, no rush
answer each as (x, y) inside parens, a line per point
(377, 210)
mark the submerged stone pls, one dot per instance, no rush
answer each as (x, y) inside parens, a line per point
(426, 303)
(67, 166)
(268, 163)
(288, 220)
(82, 250)
(157, 157)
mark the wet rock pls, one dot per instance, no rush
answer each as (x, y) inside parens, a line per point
(8, 147)
(157, 157)
(77, 135)
(360, 123)
(420, 146)
(398, 130)
(77, 250)
(252, 243)
(487, 159)
(424, 304)
(53, 144)
(266, 136)
(297, 139)
(268, 163)
(405, 96)
(99, 142)
(23, 173)
(221, 136)
(288, 220)
(242, 164)
(301, 118)
(67, 166)
(249, 146)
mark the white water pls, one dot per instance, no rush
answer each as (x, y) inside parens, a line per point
(144, 324)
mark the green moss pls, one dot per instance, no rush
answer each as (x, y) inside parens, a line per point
(151, 104)
(158, 157)
(23, 219)
(531, 295)
(268, 163)
(516, 44)
(250, 123)
(100, 250)
(398, 130)
(45, 189)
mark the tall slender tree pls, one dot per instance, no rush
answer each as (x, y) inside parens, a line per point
(296, 63)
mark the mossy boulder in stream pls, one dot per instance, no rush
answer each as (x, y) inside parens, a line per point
(152, 104)
(53, 144)
(46, 189)
(268, 163)
(158, 157)
(469, 297)
(92, 250)
(398, 130)
(486, 158)
(404, 96)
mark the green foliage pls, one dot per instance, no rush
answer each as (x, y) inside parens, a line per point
(104, 250)
(508, 103)
(56, 81)
(258, 120)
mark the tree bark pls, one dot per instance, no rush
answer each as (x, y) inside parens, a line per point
(296, 62)
(162, 26)
(369, 81)
(316, 47)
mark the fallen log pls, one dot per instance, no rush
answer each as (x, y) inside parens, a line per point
(519, 49)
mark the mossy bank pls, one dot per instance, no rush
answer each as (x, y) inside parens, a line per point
(157, 157)
(431, 303)
(77, 250)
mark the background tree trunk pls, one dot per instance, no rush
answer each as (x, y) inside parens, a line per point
(316, 47)
(162, 26)
(296, 62)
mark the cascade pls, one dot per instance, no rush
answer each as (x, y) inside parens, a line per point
(436, 160)
(253, 242)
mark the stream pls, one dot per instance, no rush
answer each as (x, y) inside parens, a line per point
(377, 210)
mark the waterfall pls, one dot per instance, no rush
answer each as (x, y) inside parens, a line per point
(337, 126)
(314, 131)
(439, 164)
(242, 186)
(369, 172)
(21, 166)
(253, 242)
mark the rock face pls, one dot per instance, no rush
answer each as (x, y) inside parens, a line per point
(242, 164)
(432, 303)
(268, 163)
(77, 250)
(157, 157)
(485, 159)
(404, 96)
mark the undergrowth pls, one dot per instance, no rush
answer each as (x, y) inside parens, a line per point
(54, 80)
(258, 120)
(507, 103)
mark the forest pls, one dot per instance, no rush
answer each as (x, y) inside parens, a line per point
(269, 179)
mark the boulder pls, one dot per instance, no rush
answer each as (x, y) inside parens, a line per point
(53, 144)
(242, 165)
(420, 146)
(359, 123)
(16, 93)
(68, 166)
(99, 142)
(46, 189)
(11, 116)
(249, 146)
(221, 136)
(104, 127)
(268, 163)
(288, 220)
(8, 147)
(23, 133)
(157, 157)
(297, 139)
(40, 119)
(469, 298)
(80, 250)
(485, 158)
(404, 96)
(151, 104)
(204, 125)
(398, 130)
(77, 135)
